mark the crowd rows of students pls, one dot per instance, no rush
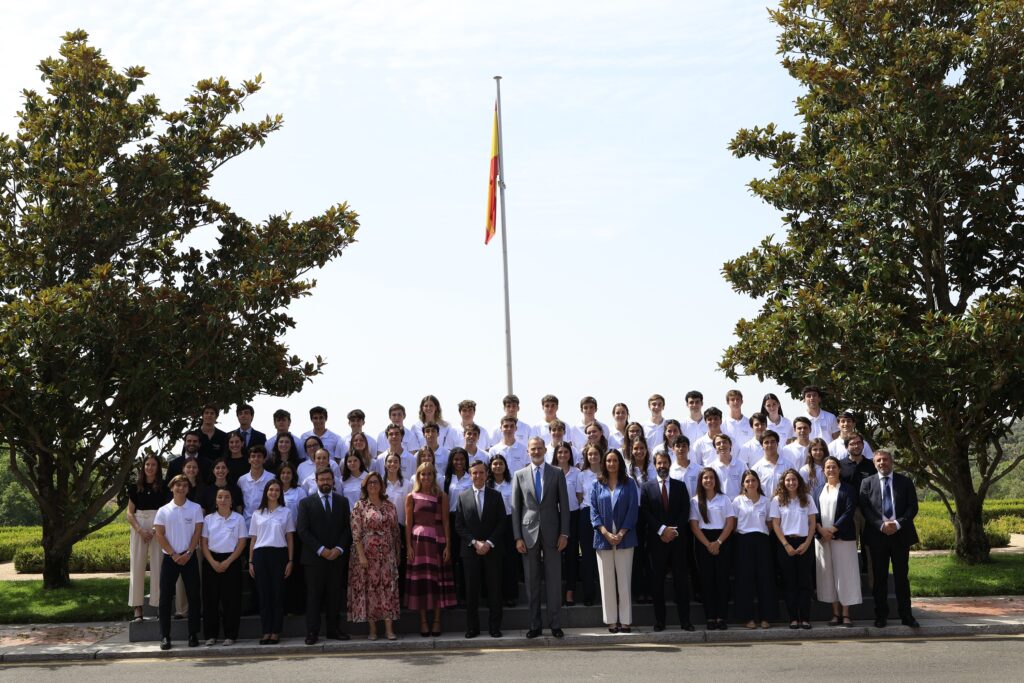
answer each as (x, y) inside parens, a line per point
(726, 505)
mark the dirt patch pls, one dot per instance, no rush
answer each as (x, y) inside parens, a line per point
(57, 634)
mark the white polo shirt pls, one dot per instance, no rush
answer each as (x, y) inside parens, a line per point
(793, 518)
(751, 517)
(719, 510)
(252, 491)
(523, 432)
(515, 455)
(271, 528)
(693, 429)
(333, 443)
(837, 449)
(577, 434)
(179, 523)
(739, 430)
(823, 426)
(223, 533)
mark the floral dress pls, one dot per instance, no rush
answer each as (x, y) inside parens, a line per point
(373, 588)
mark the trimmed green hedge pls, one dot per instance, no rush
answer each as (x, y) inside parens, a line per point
(27, 541)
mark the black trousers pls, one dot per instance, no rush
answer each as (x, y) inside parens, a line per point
(295, 585)
(488, 568)
(588, 556)
(325, 590)
(222, 598)
(511, 565)
(714, 575)
(797, 579)
(571, 554)
(881, 554)
(269, 564)
(189, 573)
(755, 578)
(641, 563)
(665, 556)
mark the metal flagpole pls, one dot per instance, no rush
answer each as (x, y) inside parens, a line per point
(504, 241)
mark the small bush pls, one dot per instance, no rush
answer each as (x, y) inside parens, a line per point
(937, 533)
(88, 556)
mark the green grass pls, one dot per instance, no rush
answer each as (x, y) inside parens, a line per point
(24, 602)
(944, 575)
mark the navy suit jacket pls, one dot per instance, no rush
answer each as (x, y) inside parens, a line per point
(905, 507)
(677, 515)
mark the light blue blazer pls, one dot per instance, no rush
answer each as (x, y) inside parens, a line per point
(622, 515)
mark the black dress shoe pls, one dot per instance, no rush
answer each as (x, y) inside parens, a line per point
(687, 627)
(495, 633)
(273, 641)
(165, 643)
(722, 626)
(193, 640)
(311, 639)
(558, 633)
(911, 622)
(340, 635)
(264, 641)
(588, 603)
(658, 628)
(880, 623)
(533, 633)
(472, 633)
(510, 603)
(712, 626)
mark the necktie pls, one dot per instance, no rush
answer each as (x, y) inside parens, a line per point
(245, 437)
(327, 504)
(664, 495)
(887, 510)
(480, 503)
(536, 483)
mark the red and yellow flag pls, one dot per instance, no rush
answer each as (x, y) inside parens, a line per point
(492, 184)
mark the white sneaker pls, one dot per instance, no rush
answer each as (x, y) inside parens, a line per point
(211, 641)
(227, 642)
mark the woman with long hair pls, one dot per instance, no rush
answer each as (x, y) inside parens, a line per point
(224, 540)
(237, 459)
(755, 567)
(595, 437)
(562, 458)
(284, 450)
(271, 555)
(361, 447)
(292, 495)
(500, 479)
(811, 469)
(396, 488)
(641, 469)
(712, 521)
(147, 495)
(373, 564)
(617, 430)
(352, 477)
(430, 411)
(777, 422)
(794, 515)
(835, 550)
(457, 480)
(589, 473)
(634, 433)
(429, 583)
(614, 509)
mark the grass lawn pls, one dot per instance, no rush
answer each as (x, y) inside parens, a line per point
(943, 575)
(24, 602)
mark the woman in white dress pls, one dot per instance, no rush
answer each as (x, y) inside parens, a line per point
(835, 549)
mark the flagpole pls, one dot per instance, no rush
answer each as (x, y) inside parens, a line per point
(504, 241)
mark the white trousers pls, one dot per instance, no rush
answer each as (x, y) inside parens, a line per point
(615, 571)
(140, 551)
(837, 572)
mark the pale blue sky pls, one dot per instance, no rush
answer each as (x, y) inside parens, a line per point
(623, 201)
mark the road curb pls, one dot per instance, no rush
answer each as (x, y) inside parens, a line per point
(25, 655)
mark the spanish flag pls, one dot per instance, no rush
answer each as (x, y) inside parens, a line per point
(492, 184)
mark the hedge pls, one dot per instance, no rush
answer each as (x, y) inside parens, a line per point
(90, 555)
(30, 538)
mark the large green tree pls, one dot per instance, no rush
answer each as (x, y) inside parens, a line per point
(128, 295)
(897, 284)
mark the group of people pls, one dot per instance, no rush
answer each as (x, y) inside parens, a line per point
(437, 515)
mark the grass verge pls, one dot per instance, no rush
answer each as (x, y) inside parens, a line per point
(23, 602)
(944, 575)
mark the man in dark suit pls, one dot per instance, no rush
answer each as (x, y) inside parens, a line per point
(250, 436)
(665, 504)
(888, 502)
(326, 532)
(540, 523)
(479, 521)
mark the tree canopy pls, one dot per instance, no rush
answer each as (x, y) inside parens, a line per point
(116, 322)
(897, 285)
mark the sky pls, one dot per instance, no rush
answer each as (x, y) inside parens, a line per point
(622, 198)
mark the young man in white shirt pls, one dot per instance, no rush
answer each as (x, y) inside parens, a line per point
(178, 526)
(396, 416)
(654, 431)
(282, 427)
(356, 421)
(432, 440)
(751, 451)
(510, 404)
(823, 423)
(333, 443)
(693, 425)
(736, 424)
(549, 404)
(796, 452)
(471, 437)
(511, 448)
(557, 430)
(704, 449)
(588, 411)
(772, 465)
(848, 428)
(467, 411)
(395, 443)
(683, 468)
(252, 484)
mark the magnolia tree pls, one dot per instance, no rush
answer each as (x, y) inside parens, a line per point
(113, 329)
(897, 283)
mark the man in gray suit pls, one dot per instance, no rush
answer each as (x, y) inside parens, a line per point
(540, 523)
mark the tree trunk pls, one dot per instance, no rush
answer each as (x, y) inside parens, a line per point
(55, 557)
(971, 544)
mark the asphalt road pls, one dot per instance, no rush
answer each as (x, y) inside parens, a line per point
(889, 660)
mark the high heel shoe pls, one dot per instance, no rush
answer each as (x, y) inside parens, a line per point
(424, 631)
(436, 631)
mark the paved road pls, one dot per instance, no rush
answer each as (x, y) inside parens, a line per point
(979, 658)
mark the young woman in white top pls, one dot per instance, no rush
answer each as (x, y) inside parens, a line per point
(712, 521)
(591, 470)
(360, 447)
(295, 585)
(755, 567)
(430, 411)
(224, 540)
(793, 514)
(640, 469)
(811, 470)
(271, 558)
(563, 460)
(457, 480)
(500, 479)
(616, 430)
(396, 488)
(777, 422)
(352, 479)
